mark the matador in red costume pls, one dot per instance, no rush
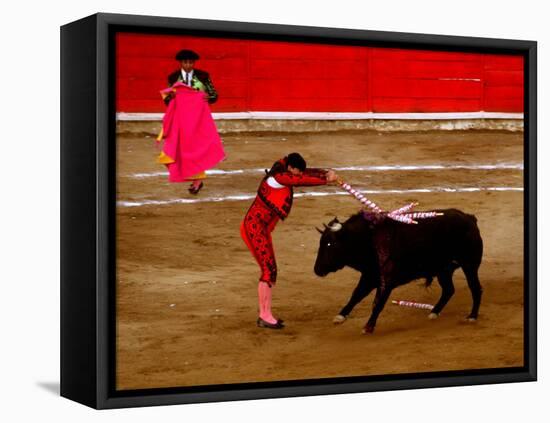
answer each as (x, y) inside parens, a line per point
(273, 202)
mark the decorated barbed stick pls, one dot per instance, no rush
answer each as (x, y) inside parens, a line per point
(403, 218)
(404, 209)
(360, 196)
(412, 304)
(422, 215)
(399, 214)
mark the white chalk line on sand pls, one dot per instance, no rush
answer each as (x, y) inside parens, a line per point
(220, 172)
(242, 197)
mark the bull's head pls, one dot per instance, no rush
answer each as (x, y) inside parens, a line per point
(331, 254)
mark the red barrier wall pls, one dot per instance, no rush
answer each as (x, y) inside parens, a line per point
(283, 76)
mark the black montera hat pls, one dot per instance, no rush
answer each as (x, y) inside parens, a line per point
(187, 55)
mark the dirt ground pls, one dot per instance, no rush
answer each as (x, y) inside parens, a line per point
(187, 285)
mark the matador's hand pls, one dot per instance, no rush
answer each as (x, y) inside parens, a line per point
(331, 176)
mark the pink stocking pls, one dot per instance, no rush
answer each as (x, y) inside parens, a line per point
(264, 297)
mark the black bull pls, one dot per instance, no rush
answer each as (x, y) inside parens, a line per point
(389, 254)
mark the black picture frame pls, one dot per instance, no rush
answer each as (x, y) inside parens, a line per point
(88, 212)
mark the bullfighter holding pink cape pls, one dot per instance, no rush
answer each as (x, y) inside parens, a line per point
(192, 144)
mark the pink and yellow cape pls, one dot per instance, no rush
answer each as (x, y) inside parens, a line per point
(192, 144)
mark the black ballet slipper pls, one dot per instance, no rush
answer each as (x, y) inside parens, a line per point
(261, 323)
(195, 190)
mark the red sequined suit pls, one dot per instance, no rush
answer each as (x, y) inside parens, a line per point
(273, 202)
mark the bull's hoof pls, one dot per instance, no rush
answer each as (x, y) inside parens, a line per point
(433, 316)
(339, 319)
(471, 319)
(367, 329)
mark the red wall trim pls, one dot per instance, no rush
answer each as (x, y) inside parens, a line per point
(299, 77)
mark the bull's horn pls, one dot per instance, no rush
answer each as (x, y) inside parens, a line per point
(335, 227)
(319, 230)
(325, 225)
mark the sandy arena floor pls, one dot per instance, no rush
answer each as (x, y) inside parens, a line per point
(187, 285)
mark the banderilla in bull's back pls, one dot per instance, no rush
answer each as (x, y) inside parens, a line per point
(403, 214)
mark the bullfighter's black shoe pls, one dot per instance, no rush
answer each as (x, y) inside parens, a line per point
(261, 323)
(195, 189)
